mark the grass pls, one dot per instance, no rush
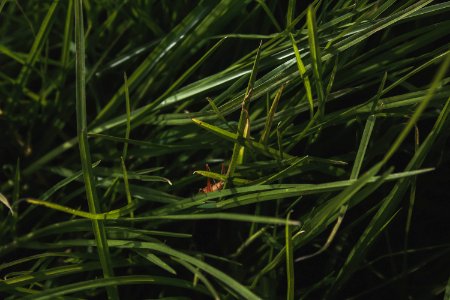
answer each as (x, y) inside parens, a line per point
(331, 118)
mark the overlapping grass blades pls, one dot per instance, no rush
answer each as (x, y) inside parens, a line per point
(310, 123)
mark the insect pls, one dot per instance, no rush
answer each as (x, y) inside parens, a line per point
(216, 186)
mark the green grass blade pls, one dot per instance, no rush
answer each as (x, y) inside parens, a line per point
(289, 262)
(127, 186)
(420, 109)
(94, 207)
(303, 76)
(392, 200)
(270, 114)
(108, 283)
(155, 260)
(38, 44)
(316, 57)
(243, 127)
(114, 214)
(128, 112)
(200, 276)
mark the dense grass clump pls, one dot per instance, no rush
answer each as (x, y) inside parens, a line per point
(324, 125)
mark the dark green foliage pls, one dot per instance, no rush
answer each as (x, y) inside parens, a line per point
(331, 120)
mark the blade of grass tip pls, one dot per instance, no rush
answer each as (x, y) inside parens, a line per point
(243, 130)
(303, 76)
(270, 115)
(391, 201)
(155, 260)
(249, 241)
(128, 111)
(5, 201)
(289, 261)
(315, 58)
(94, 207)
(127, 186)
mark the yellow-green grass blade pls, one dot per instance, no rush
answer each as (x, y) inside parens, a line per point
(114, 214)
(304, 77)
(243, 127)
(316, 58)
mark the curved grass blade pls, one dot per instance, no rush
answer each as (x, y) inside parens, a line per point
(111, 282)
(200, 276)
(231, 283)
(114, 214)
(155, 260)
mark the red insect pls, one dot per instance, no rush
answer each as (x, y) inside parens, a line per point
(213, 187)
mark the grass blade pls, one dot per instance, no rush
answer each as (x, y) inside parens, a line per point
(86, 163)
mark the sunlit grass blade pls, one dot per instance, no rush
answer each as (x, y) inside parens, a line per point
(303, 76)
(316, 58)
(243, 127)
(114, 214)
(5, 202)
